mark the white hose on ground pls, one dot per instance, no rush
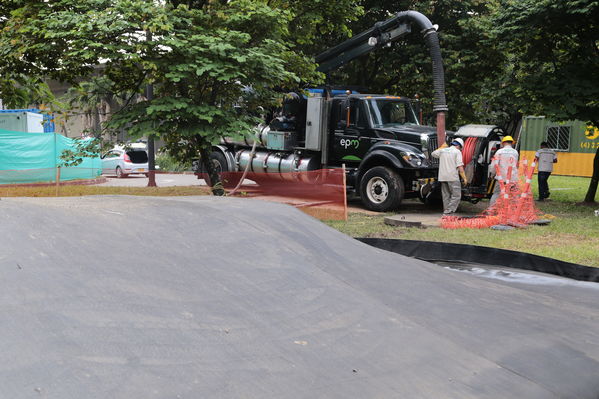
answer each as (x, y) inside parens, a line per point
(247, 167)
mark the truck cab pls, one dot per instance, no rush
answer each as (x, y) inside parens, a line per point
(385, 150)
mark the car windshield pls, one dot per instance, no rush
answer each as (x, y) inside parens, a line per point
(387, 112)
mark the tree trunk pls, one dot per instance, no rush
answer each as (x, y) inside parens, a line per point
(213, 177)
(592, 191)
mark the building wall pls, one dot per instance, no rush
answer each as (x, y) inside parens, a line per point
(582, 143)
(74, 122)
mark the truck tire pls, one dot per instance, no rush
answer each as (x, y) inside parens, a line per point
(229, 180)
(381, 189)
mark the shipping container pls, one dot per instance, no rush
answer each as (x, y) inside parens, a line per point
(48, 119)
(28, 122)
(575, 143)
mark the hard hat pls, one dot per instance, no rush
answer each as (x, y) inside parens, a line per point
(458, 141)
(507, 138)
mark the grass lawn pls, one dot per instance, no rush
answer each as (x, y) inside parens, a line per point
(75, 191)
(572, 236)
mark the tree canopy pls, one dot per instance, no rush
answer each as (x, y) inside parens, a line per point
(202, 57)
(555, 54)
(474, 67)
(502, 58)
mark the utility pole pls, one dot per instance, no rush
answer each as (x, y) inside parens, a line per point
(151, 153)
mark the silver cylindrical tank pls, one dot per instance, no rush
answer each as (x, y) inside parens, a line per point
(281, 163)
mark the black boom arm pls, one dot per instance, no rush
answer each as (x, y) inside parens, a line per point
(386, 32)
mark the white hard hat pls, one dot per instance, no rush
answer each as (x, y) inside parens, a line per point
(459, 141)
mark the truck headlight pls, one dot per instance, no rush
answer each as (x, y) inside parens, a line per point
(413, 159)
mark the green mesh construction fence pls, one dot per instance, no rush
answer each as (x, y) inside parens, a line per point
(34, 157)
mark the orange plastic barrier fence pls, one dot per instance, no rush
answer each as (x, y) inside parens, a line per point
(514, 207)
(319, 193)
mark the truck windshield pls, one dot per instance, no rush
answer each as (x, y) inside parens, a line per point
(386, 112)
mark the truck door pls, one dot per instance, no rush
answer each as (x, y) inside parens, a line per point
(349, 128)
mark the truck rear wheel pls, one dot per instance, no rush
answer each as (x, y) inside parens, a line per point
(381, 189)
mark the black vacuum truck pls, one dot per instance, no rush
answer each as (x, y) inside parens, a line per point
(378, 138)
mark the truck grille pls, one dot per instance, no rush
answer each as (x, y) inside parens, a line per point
(432, 146)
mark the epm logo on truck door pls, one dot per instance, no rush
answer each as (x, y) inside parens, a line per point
(349, 149)
(347, 143)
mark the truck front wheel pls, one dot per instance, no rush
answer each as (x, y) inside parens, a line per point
(381, 189)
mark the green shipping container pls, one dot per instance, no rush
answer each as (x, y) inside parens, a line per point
(575, 143)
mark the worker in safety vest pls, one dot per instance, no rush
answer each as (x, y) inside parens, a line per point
(451, 168)
(507, 159)
(545, 158)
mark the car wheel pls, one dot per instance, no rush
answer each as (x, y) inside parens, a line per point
(119, 173)
(381, 189)
(228, 178)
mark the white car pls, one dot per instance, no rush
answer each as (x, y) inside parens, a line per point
(124, 161)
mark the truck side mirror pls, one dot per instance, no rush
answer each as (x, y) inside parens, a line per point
(346, 112)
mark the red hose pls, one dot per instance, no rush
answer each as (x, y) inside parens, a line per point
(468, 151)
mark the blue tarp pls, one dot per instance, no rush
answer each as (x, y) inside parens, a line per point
(33, 158)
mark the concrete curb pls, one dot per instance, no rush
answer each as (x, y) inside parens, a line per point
(82, 182)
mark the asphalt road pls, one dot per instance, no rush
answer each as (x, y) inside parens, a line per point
(162, 180)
